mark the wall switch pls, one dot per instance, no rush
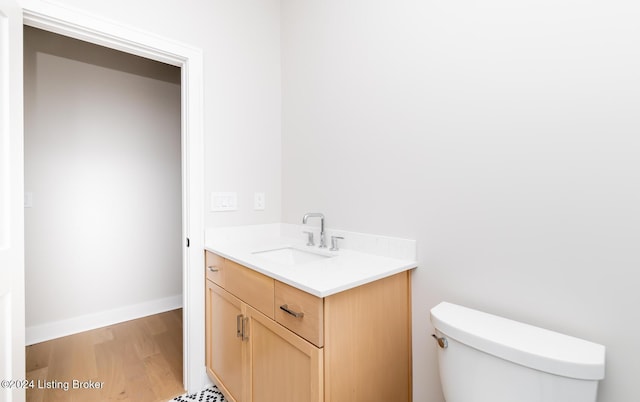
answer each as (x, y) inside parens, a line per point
(258, 201)
(224, 201)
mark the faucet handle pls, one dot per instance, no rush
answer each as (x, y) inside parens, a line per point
(309, 238)
(334, 243)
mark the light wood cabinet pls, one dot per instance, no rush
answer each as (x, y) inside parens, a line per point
(268, 341)
(225, 349)
(291, 304)
(284, 367)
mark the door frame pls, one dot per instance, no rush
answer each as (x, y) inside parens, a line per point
(90, 28)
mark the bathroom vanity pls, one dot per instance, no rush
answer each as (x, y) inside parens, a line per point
(272, 335)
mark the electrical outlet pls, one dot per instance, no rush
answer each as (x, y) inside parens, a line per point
(258, 201)
(28, 200)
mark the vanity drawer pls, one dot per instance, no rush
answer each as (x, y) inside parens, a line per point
(301, 312)
(214, 265)
(249, 286)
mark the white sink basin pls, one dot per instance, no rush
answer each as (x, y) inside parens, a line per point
(290, 256)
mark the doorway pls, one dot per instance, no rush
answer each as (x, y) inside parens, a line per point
(79, 25)
(102, 184)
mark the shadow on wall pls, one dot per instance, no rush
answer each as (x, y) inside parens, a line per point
(89, 53)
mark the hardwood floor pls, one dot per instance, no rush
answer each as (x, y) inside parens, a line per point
(138, 360)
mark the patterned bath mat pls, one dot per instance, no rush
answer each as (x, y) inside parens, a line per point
(212, 394)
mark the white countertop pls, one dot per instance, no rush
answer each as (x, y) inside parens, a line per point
(345, 269)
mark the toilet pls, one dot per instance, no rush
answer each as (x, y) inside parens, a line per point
(486, 358)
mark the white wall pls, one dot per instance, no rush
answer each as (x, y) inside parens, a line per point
(499, 135)
(502, 135)
(103, 162)
(241, 45)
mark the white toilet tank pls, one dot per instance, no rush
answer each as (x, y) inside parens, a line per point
(486, 358)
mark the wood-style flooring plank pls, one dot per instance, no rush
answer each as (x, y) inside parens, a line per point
(59, 374)
(110, 361)
(83, 357)
(172, 353)
(39, 356)
(161, 376)
(154, 324)
(138, 360)
(36, 375)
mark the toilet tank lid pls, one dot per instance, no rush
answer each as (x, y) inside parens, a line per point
(520, 343)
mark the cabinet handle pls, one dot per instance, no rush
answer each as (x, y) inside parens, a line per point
(239, 326)
(213, 268)
(286, 309)
(245, 328)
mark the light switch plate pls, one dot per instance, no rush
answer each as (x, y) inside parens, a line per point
(224, 201)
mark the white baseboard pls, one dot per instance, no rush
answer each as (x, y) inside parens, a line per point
(57, 329)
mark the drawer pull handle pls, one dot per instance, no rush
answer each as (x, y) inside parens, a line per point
(213, 268)
(286, 309)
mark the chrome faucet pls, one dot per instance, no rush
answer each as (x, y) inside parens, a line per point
(323, 243)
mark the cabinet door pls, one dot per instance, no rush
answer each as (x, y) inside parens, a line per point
(284, 366)
(225, 348)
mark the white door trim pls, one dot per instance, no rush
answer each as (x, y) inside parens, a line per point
(12, 352)
(81, 25)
